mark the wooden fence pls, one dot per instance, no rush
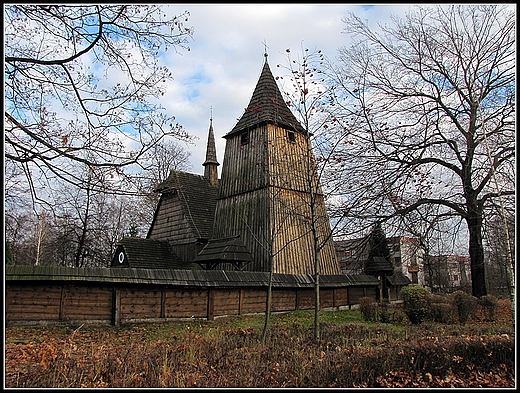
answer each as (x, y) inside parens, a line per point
(53, 295)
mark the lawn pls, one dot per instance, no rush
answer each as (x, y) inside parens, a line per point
(229, 352)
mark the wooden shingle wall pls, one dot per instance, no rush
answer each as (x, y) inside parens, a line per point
(186, 208)
(265, 198)
(36, 295)
(245, 166)
(241, 216)
(171, 222)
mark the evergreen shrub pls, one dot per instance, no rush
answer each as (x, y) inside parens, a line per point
(416, 303)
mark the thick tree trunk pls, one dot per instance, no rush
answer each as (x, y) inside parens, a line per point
(476, 253)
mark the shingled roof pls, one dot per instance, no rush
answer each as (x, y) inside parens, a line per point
(211, 151)
(194, 278)
(224, 250)
(135, 252)
(198, 197)
(398, 280)
(378, 265)
(267, 106)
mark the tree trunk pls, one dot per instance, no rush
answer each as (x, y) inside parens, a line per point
(317, 308)
(268, 304)
(79, 257)
(316, 281)
(476, 253)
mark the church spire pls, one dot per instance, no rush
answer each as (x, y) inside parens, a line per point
(211, 163)
(267, 105)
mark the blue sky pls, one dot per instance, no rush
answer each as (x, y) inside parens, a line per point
(218, 75)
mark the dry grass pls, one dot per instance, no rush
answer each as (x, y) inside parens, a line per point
(228, 353)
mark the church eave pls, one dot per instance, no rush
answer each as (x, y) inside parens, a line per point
(253, 124)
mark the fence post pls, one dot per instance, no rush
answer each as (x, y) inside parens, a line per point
(116, 307)
(61, 315)
(211, 305)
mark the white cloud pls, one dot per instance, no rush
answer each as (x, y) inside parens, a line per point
(227, 53)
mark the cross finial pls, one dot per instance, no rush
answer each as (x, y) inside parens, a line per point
(211, 112)
(265, 48)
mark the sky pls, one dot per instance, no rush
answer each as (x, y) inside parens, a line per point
(216, 78)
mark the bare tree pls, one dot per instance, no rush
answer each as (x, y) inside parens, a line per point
(19, 235)
(292, 218)
(434, 96)
(81, 86)
(156, 166)
(285, 214)
(311, 99)
(160, 160)
(86, 224)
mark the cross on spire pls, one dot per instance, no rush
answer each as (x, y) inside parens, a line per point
(265, 48)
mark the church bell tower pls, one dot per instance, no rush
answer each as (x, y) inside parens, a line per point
(269, 194)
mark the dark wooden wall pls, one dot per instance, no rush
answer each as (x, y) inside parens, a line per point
(170, 223)
(43, 302)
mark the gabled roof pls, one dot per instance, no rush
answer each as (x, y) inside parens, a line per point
(267, 106)
(224, 250)
(378, 265)
(146, 254)
(398, 280)
(198, 198)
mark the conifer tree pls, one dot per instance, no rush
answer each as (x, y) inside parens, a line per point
(378, 262)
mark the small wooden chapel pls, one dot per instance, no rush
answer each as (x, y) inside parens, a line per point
(267, 209)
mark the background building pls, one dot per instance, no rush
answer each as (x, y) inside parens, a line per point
(406, 255)
(448, 273)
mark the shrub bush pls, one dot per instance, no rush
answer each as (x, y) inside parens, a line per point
(383, 309)
(368, 308)
(465, 304)
(489, 304)
(441, 310)
(397, 314)
(416, 303)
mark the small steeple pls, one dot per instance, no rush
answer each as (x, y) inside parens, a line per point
(211, 163)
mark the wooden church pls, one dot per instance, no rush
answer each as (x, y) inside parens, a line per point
(267, 209)
(212, 242)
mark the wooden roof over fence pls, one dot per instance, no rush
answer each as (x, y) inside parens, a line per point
(378, 265)
(230, 249)
(173, 277)
(398, 280)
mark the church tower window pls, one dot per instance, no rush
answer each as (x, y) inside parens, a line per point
(244, 138)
